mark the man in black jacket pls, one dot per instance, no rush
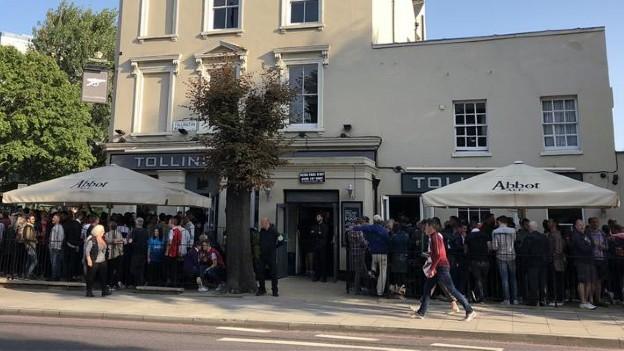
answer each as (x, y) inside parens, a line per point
(535, 250)
(319, 233)
(583, 251)
(270, 239)
(72, 245)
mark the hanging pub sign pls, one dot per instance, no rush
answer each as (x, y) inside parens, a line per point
(312, 177)
(95, 86)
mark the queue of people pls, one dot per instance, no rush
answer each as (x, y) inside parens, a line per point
(497, 259)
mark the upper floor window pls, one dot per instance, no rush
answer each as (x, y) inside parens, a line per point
(560, 123)
(470, 126)
(304, 80)
(222, 15)
(158, 20)
(302, 13)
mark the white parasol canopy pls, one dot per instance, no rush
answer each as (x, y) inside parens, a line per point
(521, 186)
(109, 185)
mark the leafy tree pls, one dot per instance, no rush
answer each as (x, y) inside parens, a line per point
(44, 128)
(71, 36)
(246, 116)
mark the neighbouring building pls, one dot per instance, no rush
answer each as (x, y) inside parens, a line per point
(21, 42)
(383, 114)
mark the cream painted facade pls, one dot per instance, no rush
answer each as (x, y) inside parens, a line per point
(388, 122)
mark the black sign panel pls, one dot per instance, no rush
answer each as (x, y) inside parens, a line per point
(312, 177)
(184, 161)
(417, 183)
(351, 211)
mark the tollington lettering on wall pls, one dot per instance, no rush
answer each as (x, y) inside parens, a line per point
(422, 182)
(160, 161)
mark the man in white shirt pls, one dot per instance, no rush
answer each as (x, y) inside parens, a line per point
(57, 236)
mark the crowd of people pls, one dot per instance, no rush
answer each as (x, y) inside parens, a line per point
(119, 251)
(496, 259)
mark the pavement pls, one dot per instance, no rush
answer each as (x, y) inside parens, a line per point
(304, 305)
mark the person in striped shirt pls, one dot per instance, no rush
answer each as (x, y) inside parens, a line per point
(437, 270)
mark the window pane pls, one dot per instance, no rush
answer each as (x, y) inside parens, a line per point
(219, 3)
(311, 79)
(481, 119)
(311, 109)
(295, 78)
(560, 129)
(470, 119)
(481, 131)
(572, 141)
(482, 142)
(559, 117)
(570, 128)
(470, 108)
(461, 142)
(548, 130)
(558, 105)
(232, 20)
(547, 105)
(296, 110)
(460, 131)
(459, 108)
(471, 131)
(311, 11)
(297, 12)
(560, 141)
(549, 141)
(481, 107)
(570, 116)
(548, 117)
(471, 142)
(219, 18)
(570, 105)
(459, 119)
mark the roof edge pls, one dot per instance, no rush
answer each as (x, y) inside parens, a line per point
(543, 33)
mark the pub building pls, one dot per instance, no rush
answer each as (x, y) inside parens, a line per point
(382, 114)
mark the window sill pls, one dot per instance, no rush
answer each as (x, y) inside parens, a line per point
(317, 26)
(562, 152)
(237, 31)
(291, 129)
(156, 134)
(458, 154)
(172, 37)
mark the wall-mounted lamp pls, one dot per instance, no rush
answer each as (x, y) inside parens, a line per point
(267, 192)
(183, 131)
(615, 180)
(347, 127)
(398, 169)
(350, 190)
(120, 132)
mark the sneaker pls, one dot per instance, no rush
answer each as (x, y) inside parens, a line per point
(587, 306)
(516, 302)
(417, 315)
(202, 289)
(454, 307)
(414, 309)
(470, 316)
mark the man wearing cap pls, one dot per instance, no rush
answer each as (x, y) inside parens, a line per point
(378, 245)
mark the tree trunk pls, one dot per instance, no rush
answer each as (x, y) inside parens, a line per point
(240, 273)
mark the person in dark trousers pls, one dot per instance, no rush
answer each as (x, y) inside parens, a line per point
(71, 246)
(270, 240)
(379, 247)
(536, 250)
(138, 240)
(95, 260)
(478, 256)
(437, 270)
(357, 256)
(319, 234)
(583, 251)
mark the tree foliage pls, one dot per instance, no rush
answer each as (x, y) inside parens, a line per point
(246, 115)
(44, 128)
(71, 36)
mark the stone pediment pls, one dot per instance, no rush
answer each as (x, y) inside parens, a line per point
(221, 54)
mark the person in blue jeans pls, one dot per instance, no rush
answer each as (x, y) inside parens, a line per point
(503, 242)
(438, 272)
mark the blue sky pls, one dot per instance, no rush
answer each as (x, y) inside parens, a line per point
(446, 19)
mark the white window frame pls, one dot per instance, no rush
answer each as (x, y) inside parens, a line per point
(157, 64)
(480, 210)
(311, 127)
(208, 20)
(144, 23)
(286, 23)
(478, 149)
(555, 149)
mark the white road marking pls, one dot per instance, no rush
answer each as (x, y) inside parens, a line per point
(310, 344)
(248, 330)
(343, 337)
(464, 347)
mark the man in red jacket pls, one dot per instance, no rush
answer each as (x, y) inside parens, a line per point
(437, 270)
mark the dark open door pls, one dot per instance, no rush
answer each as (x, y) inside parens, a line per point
(282, 251)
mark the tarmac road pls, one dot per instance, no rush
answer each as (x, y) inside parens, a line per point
(50, 333)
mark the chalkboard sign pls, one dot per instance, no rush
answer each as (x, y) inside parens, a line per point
(312, 177)
(351, 211)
